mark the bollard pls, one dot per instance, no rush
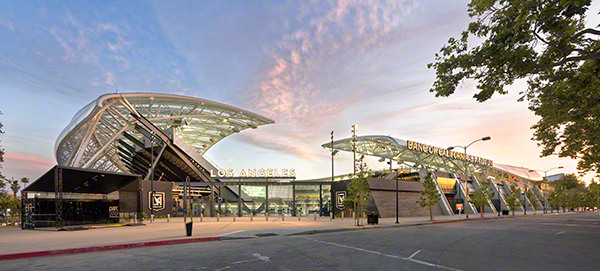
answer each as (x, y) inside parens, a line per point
(353, 213)
(267, 216)
(299, 216)
(217, 217)
(315, 216)
(342, 215)
(201, 217)
(135, 218)
(168, 218)
(331, 216)
(282, 217)
(151, 218)
(251, 216)
(233, 216)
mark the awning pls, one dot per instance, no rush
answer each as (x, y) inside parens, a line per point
(79, 180)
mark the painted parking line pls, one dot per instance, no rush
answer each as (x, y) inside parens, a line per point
(387, 255)
(571, 225)
(560, 232)
(416, 252)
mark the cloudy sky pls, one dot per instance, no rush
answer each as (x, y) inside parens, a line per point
(312, 66)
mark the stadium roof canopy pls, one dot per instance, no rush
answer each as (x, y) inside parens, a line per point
(102, 132)
(415, 153)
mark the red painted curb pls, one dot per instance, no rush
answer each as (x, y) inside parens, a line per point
(68, 251)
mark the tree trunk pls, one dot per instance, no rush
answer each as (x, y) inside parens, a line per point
(430, 213)
(481, 210)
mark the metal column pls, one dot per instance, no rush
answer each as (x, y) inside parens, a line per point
(58, 188)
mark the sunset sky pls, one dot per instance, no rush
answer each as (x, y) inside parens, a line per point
(312, 66)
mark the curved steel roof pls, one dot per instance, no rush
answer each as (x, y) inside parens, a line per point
(397, 149)
(91, 139)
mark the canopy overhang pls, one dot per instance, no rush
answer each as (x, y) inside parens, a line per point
(81, 181)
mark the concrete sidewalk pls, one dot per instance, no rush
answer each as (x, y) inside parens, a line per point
(160, 232)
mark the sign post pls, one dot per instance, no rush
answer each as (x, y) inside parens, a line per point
(459, 207)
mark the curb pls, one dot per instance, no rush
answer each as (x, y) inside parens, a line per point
(70, 251)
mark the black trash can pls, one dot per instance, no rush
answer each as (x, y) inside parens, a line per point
(372, 219)
(504, 212)
(188, 228)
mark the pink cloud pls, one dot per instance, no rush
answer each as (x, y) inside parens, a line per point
(28, 158)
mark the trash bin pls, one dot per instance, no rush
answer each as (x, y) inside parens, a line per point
(504, 212)
(372, 219)
(188, 228)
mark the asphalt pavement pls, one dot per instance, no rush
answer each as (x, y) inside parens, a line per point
(549, 242)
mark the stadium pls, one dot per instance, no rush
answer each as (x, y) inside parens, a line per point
(134, 154)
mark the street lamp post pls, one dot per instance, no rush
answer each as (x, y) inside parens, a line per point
(397, 173)
(467, 169)
(332, 178)
(354, 147)
(545, 182)
(499, 202)
(525, 201)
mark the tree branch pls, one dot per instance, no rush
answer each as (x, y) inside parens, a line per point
(566, 60)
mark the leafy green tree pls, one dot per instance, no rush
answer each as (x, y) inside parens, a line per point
(358, 189)
(480, 198)
(513, 198)
(594, 192)
(14, 186)
(570, 181)
(429, 194)
(546, 43)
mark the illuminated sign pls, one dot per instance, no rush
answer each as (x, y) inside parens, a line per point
(255, 191)
(340, 197)
(459, 206)
(263, 173)
(113, 211)
(157, 201)
(411, 145)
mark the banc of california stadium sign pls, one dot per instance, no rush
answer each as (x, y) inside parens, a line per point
(412, 145)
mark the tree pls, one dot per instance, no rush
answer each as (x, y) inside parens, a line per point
(569, 181)
(358, 189)
(429, 194)
(546, 43)
(14, 186)
(480, 198)
(513, 198)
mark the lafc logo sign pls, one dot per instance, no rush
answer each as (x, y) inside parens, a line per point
(340, 197)
(157, 202)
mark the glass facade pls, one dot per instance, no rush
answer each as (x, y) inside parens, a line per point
(260, 196)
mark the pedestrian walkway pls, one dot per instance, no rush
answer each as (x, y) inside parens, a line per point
(162, 231)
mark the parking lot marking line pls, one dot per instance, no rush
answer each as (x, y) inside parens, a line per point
(571, 225)
(416, 252)
(386, 255)
(560, 232)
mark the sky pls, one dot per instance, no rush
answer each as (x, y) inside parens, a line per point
(312, 66)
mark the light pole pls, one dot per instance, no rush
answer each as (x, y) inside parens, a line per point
(525, 201)
(333, 153)
(545, 182)
(467, 169)
(354, 147)
(499, 202)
